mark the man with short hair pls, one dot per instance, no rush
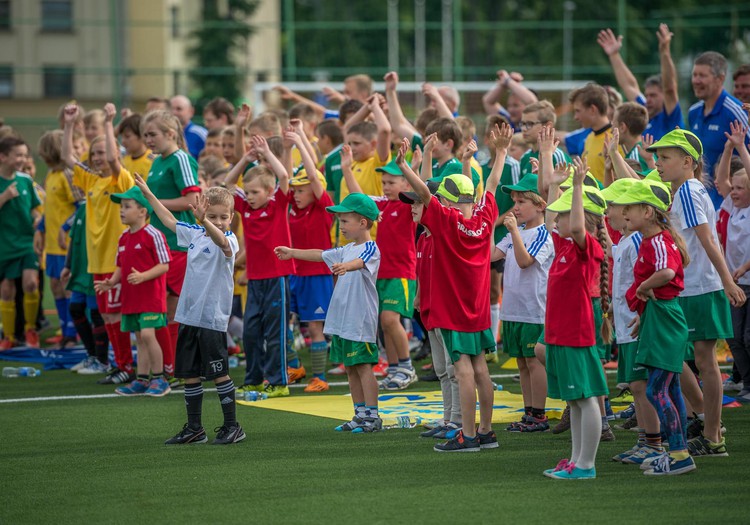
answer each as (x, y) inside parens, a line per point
(195, 135)
(741, 79)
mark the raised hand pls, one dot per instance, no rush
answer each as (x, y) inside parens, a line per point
(416, 158)
(546, 140)
(243, 115)
(260, 145)
(142, 185)
(737, 137)
(665, 37)
(70, 113)
(429, 143)
(391, 80)
(561, 173)
(346, 156)
(500, 137)
(402, 150)
(284, 92)
(470, 151)
(110, 111)
(516, 76)
(610, 43)
(581, 168)
(199, 209)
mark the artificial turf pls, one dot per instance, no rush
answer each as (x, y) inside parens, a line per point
(103, 460)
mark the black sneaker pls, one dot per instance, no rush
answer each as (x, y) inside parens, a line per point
(488, 440)
(700, 446)
(227, 435)
(431, 433)
(115, 376)
(369, 424)
(188, 436)
(459, 444)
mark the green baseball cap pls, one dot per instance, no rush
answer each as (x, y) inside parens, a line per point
(593, 202)
(654, 175)
(617, 188)
(682, 139)
(135, 194)
(391, 169)
(357, 203)
(649, 192)
(457, 188)
(527, 183)
(410, 197)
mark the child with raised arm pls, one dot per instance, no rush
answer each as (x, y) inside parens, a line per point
(352, 318)
(462, 233)
(203, 310)
(142, 262)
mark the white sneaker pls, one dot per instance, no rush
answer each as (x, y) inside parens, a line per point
(86, 362)
(94, 368)
(400, 379)
(731, 386)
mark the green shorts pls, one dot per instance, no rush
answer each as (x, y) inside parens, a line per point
(467, 343)
(519, 339)
(397, 295)
(574, 373)
(541, 338)
(627, 370)
(353, 353)
(13, 268)
(663, 336)
(690, 351)
(604, 349)
(137, 322)
(708, 316)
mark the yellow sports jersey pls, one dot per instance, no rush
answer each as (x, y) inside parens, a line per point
(369, 180)
(60, 205)
(140, 165)
(297, 156)
(593, 151)
(103, 225)
(479, 190)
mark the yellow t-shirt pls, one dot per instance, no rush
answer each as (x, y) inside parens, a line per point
(369, 180)
(60, 205)
(479, 190)
(103, 225)
(593, 151)
(140, 165)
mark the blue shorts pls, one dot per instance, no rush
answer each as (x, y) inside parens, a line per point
(311, 296)
(55, 265)
(81, 298)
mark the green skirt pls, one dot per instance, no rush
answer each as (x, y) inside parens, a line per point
(663, 336)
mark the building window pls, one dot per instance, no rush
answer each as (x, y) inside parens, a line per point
(58, 82)
(4, 15)
(57, 15)
(6, 81)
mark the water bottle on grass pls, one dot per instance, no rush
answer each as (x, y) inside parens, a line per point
(24, 371)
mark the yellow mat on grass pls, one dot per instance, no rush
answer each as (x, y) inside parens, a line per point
(424, 405)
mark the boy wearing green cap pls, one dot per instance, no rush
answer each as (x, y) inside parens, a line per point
(397, 274)
(352, 318)
(142, 262)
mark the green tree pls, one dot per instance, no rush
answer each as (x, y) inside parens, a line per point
(222, 35)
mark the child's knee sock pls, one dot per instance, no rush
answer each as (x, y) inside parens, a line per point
(164, 338)
(121, 344)
(67, 323)
(194, 404)
(575, 431)
(101, 338)
(174, 329)
(319, 356)
(228, 405)
(82, 326)
(8, 318)
(495, 319)
(292, 357)
(591, 432)
(30, 308)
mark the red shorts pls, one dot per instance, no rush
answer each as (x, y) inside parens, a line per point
(176, 273)
(108, 302)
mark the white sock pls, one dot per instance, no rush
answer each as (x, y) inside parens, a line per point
(495, 320)
(575, 430)
(591, 431)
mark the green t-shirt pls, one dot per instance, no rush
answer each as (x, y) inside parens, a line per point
(558, 157)
(333, 173)
(511, 175)
(80, 279)
(450, 167)
(16, 223)
(634, 154)
(167, 179)
(416, 141)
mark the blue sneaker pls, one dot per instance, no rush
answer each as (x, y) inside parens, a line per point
(619, 457)
(608, 410)
(136, 388)
(561, 465)
(159, 387)
(627, 413)
(644, 454)
(649, 463)
(573, 472)
(669, 466)
(451, 431)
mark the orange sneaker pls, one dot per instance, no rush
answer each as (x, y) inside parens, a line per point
(5, 344)
(610, 365)
(32, 338)
(317, 385)
(381, 369)
(295, 374)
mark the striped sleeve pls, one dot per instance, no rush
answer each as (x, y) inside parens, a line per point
(160, 245)
(558, 157)
(369, 250)
(661, 260)
(538, 243)
(187, 176)
(515, 168)
(693, 213)
(186, 232)
(735, 110)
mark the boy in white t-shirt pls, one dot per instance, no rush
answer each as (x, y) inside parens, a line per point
(528, 252)
(204, 309)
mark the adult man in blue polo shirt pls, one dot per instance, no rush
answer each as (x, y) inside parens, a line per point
(711, 116)
(195, 135)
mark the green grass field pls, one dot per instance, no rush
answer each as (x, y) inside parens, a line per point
(102, 460)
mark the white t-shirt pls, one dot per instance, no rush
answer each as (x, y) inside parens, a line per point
(206, 298)
(692, 207)
(738, 238)
(525, 290)
(624, 256)
(353, 311)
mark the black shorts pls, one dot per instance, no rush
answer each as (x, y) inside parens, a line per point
(498, 266)
(237, 306)
(201, 352)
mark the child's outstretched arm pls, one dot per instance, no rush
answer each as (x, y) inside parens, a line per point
(399, 124)
(621, 168)
(417, 184)
(284, 253)
(577, 218)
(304, 147)
(735, 141)
(217, 236)
(234, 175)
(165, 216)
(434, 95)
(243, 115)
(383, 146)
(358, 117)
(288, 94)
(70, 114)
(261, 148)
(499, 140)
(346, 170)
(668, 70)
(113, 150)
(468, 154)
(426, 171)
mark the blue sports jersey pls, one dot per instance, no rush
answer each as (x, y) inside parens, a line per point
(710, 129)
(662, 123)
(575, 140)
(506, 115)
(195, 138)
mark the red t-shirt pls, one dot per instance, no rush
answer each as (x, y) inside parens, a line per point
(142, 251)
(265, 229)
(460, 279)
(310, 229)
(424, 271)
(569, 320)
(656, 253)
(396, 231)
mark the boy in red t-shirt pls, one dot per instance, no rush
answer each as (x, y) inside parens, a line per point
(263, 205)
(397, 276)
(462, 233)
(142, 263)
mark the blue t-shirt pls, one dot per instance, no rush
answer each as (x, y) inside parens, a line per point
(506, 115)
(710, 129)
(195, 138)
(662, 123)
(575, 140)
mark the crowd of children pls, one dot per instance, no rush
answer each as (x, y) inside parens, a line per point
(347, 223)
